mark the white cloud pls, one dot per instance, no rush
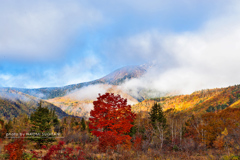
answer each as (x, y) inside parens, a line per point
(206, 58)
(139, 48)
(37, 30)
(80, 70)
(5, 77)
(9, 80)
(89, 93)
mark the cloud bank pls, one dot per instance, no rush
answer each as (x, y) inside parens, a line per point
(70, 73)
(206, 58)
(89, 92)
(41, 30)
(122, 32)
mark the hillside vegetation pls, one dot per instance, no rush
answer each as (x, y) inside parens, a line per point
(197, 103)
(13, 104)
(202, 125)
(74, 104)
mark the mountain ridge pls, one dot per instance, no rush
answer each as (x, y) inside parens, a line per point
(76, 105)
(114, 78)
(197, 103)
(14, 103)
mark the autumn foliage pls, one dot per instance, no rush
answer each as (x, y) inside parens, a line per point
(15, 149)
(202, 125)
(111, 120)
(137, 143)
(218, 129)
(64, 153)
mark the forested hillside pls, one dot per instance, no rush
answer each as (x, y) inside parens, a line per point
(197, 103)
(202, 125)
(75, 104)
(13, 103)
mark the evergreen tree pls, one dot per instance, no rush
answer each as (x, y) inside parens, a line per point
(43, 120)
(72, 124)
(133, 130)
(3, 130)
(230, 100)
(83, 125)
(55, 121)
(9, 126)
(157, 116)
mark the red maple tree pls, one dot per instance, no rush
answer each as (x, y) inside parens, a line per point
(15, 149)
(111, 120)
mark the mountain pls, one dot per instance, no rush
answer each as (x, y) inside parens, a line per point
(76, 99)
(119, 76)
(197, 103)
(115, 78)
(14, 103)
(77, 104)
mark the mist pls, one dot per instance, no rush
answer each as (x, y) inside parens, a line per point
(91, 92)
(190, 61)
(13, 96)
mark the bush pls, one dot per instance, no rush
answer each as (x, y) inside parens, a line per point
(175, 148)
(15, 149)
(59, 152)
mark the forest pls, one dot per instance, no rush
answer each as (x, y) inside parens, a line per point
(203, 125)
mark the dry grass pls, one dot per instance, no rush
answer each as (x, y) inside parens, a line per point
(92, 153)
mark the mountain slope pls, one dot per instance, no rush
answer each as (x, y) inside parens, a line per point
(13, 103)
(197, 103)
(115, 78)
(77, 104)
(119, 76)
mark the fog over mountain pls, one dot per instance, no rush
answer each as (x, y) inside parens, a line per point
(117, 77)
(14, 103)
(146, 49)
(59, 43)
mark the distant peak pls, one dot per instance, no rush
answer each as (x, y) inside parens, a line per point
(127, 72)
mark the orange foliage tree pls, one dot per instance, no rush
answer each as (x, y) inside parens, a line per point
(216, 129)
(111, 120)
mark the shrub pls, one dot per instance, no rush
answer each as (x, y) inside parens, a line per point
(59, 152)
(15, 149)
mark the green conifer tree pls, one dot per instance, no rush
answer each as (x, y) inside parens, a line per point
(42, 121)
(83, 125)
(157, 116)
(9, 126)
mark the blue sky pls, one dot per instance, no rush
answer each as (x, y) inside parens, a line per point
(56, 43)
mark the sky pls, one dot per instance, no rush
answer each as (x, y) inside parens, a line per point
(195, 44)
